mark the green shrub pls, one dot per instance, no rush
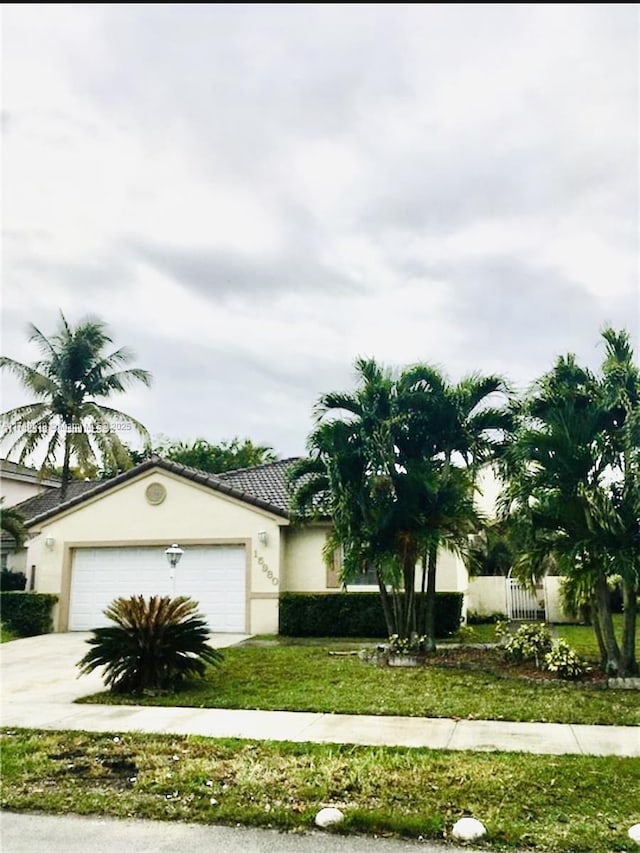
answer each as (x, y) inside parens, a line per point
(354, 614)
(155, 644)
(474, 618)
(531, 642)
(26, 614)
(565, 661)
(12, 581)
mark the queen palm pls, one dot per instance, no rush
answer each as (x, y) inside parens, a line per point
(70, 381)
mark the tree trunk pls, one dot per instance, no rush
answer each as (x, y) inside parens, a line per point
(409, 559)
(66, 462)
(612, 649)
(592, 611)
(420, 609)
(629, 665)
(430, 603)
(387, 606)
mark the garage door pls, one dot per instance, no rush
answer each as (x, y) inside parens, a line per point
(214, 576)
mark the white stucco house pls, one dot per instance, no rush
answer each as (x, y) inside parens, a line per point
(241, 549)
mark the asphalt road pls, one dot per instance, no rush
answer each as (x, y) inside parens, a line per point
(31, 833)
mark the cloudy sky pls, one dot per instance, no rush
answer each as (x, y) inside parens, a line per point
(253, 195)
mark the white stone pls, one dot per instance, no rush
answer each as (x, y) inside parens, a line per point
(468, 829)
(634, 833)
(328, 817)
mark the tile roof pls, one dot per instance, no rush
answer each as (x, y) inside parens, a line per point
(51, 499)
(268, 482)
(263, 486)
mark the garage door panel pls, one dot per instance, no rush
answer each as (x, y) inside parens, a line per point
(215, 576)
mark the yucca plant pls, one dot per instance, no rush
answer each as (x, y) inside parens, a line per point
(154, 645)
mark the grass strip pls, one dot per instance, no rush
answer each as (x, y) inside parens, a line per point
(307, 678)
(558, 804)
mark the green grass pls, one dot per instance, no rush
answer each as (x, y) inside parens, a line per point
(308, 678)
(5, 634)
(583, 639)
(547, 804)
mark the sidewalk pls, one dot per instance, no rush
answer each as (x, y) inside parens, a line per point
(39, 684)
(482, 735)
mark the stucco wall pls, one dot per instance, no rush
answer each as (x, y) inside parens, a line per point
(190, 514)
(552, 600)
(16, 491)
(488, 490)
(304, 570)
(487, 595)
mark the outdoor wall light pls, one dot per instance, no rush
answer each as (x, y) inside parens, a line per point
(49, 542)
(262, 537)
(173, 555)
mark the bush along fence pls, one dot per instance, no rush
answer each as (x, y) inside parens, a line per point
(354, 614)
(12, 580)
(27, 613)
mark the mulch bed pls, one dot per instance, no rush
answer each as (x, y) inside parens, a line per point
(492, 660)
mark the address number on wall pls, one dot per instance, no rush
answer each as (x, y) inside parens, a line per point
(265, 568)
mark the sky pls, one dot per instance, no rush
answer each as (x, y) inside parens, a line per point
(252, 196)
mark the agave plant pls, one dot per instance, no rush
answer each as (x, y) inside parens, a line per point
(154, 645)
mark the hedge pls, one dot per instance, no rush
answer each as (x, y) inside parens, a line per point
(354, 614)
(27, 613)
(12, 580)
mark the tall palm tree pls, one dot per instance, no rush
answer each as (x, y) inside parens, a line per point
(392, 465)
(71, 379)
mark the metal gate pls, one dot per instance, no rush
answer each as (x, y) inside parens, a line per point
(523, 602)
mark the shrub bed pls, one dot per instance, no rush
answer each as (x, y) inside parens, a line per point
(354, 614)
(27, 613)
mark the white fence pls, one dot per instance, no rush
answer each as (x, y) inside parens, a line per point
(489, 594)
(523, 602)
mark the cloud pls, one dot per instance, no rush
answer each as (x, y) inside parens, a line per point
(252, 196)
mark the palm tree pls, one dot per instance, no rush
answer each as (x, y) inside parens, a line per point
(69, 382)
(572, 475)
(392, 464)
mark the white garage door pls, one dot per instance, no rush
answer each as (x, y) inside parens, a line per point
(214, 576)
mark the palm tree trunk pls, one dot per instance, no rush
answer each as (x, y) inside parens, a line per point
(629, 665)
(409, 559)
(420, 609)
(430, 603)
(387, 606)
(592, 612)
(66, 463)
(603, 614)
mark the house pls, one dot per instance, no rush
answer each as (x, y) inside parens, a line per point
(17, 484)
(241, 547)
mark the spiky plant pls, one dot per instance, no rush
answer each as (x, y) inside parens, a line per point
(154, 645)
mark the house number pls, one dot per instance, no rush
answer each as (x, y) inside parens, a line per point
(265, 568)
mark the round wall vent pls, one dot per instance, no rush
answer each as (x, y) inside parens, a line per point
(155, 493)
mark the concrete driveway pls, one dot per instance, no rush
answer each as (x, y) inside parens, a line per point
(43, 668)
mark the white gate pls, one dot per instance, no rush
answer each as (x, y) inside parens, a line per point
(523, 602)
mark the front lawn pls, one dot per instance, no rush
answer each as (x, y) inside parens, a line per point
(544, 804)
(473, 684)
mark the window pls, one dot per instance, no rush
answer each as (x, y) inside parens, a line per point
(368, 578)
